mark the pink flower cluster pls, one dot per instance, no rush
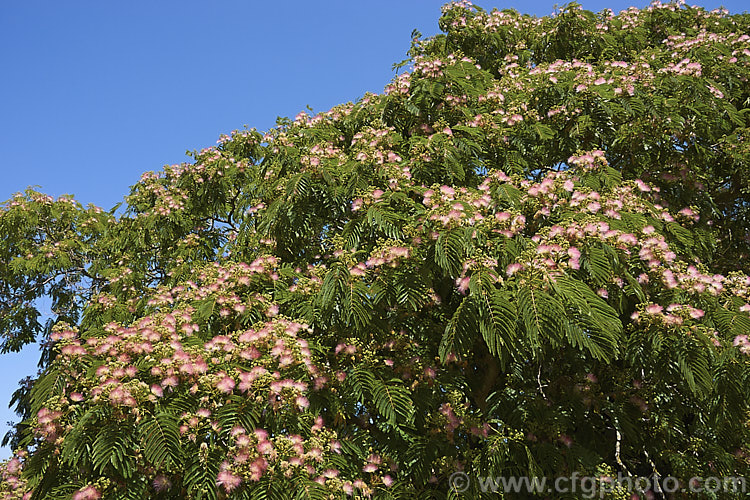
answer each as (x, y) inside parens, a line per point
(13, 486)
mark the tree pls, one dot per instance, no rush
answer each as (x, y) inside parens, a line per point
(523, 259)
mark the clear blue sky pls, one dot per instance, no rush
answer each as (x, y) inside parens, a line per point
(94, 93)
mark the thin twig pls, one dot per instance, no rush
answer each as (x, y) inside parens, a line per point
(539, 381)
(657, 486)
(618, 446)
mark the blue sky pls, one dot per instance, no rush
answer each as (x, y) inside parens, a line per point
(95, 93)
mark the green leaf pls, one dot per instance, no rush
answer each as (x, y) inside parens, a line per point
(392, 401)
(460, 331)
(160, 440)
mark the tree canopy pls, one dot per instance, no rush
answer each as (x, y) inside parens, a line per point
(525, 258)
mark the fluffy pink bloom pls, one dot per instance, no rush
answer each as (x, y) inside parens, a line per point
(225, 384)
(228, 481)
(654, 309)
(696, 313)
(330, 473)
(448, 191)
(463, 284)
(87, 493)
(513, 268)
(302, 402)
(257, 468)
(13, 467)
(265, 447)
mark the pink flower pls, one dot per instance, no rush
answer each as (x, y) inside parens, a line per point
(302, 402)
(330, 473)
(257, 468)
(642, 186)
(513, 268)
(627, 239)
(87, 493)
(157, 390)
(228, 481)
(502, 216)
(463, 284)
(13, 466)
(225, 384)
(654, 309)
(318, 424)
(687, 211)
(73, 350)
(696, 313)
(448, 191)
(265, 447)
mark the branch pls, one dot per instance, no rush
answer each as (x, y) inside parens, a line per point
(618, 445)
(539, 382)
(657, 486)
